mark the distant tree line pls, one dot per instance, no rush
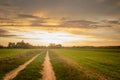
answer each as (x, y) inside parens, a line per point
(100, 47)
(53, 45)
(22, 44)
(1, 46)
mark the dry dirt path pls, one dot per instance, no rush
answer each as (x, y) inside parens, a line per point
(47, 72)
(10, 75)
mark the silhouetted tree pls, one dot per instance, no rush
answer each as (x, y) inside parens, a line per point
(11, 45)
(1, 46)
(21, 44)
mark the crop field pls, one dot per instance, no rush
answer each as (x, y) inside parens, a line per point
(67, 64)
(86, 64)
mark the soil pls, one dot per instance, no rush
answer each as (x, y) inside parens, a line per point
(47, 72)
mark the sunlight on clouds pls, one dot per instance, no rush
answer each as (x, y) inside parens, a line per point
(59, 35)
(54, 37)
(39, 13)
(52, 22)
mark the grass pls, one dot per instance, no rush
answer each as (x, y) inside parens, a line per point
(9, 63)
(32, 71)
(65, 71)
(68, 64)
(10, 53)
(103, 61)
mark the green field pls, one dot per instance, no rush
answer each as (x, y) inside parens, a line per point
(12, 58)
(12, 52)
(67, 63)
(93, 63)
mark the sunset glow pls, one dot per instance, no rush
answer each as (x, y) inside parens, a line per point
(66, 22)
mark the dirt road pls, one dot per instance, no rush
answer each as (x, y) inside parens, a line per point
(48, 73)
(13, 73)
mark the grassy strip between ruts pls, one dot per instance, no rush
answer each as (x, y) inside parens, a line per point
(32, 71)
(12, 63)
(65, 71)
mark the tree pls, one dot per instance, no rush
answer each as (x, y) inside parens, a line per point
(11, 45)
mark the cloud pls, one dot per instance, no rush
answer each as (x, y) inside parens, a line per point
(59, 9)
(78, 23)
(5, 3)
(100, 1)
(5, 33)
(102, 34)
(1, 18)
(81, 8)
(32, 19)
(27, 16)
(114, 21)
(91, 24)
(37, 22)
(108, 23)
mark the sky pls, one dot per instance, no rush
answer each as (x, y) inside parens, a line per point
(66, 22)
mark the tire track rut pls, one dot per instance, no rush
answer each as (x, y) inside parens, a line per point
(47, 72)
